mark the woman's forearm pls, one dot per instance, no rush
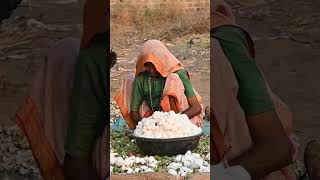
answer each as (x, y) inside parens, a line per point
(192, 111)
(272, 149)
(194, 107)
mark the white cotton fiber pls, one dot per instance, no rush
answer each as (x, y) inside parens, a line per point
(187, 163)
(162, 125)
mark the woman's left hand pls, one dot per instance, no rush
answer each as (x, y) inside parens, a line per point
(197, 121)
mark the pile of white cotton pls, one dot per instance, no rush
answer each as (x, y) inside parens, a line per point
(162, 125)
(133, 164)
(188, 163)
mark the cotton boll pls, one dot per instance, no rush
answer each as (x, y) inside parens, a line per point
(119, 161)
(112, 159)
(187, 157)
(186, 160)
(187, 163)
(151, 159)
(143, 161)
(129, 170)
(188, 153)
(137, 160)
(185, 169)
(149, 170)
(136, 170)
(128, 162)
(204, 169)
(197, 163)
(166, 125)
(173, 172)
(174, 165)
(123, 168)
(205, 163)
(183, 173)
(143, 168)
(196, 155)
(208, 156)
(194, 165)
(172, 113)
(153, 165)
(178, 158)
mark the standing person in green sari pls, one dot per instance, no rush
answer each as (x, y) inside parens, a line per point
(88, 110)
(89, 97)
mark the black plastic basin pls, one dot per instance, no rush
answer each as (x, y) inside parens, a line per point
(166, 147)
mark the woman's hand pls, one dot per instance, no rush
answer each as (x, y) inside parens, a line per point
(135, 116)
(197, 121)
(193, 109)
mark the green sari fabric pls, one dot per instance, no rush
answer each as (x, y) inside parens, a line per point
(89, 100)
(253, 95)
(141, 89)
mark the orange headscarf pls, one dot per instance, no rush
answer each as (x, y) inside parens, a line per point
(156, 52)
(95, 20)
